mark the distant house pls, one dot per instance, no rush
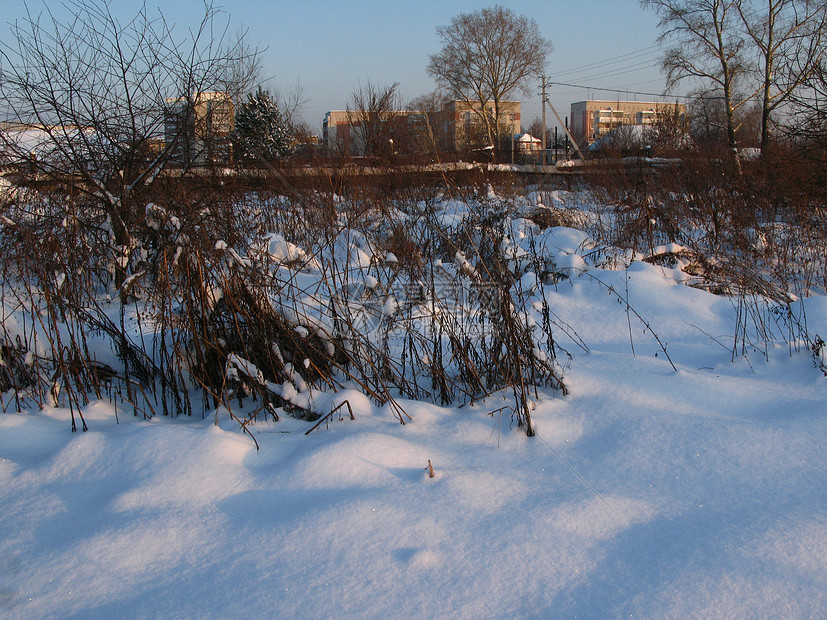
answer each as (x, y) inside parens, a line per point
(199, 128)
(525, 144)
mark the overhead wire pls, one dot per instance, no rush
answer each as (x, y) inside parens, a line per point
(619, 71)
(584, 76)
(618, 90)
(631, 62)
(602, 63)
(607, 69)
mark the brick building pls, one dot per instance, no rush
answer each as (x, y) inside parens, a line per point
(461, 127)
(456, 128)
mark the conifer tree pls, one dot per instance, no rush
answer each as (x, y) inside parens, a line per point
(260, 130)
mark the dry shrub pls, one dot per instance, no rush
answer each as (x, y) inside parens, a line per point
(757, 237)
(198, 308)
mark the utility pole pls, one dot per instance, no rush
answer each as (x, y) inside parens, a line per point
(559, 120)
(556, 142)
(543, 158)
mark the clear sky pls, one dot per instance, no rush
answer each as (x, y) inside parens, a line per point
(329, 47)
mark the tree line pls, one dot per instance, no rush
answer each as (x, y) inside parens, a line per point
(755, 70)
(769, 54)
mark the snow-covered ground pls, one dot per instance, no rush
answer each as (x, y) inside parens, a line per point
(647, 492)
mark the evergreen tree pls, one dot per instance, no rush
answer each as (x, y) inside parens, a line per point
(260, 130)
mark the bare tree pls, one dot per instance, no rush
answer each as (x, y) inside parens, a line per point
(487, 56)
(92, 97)
(290, 101)
(242, 76)
(372, 117)
(621, 141)
(808, 121)
(536, 128)
(669, 132)
(788, 36)
(708, 119)
(706, 45)
(429, 108)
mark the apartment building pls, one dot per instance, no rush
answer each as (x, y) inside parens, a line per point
(458, 127)
(593, 119)
(462, 127)
(200, 127)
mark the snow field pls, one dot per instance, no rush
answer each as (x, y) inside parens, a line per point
(647, 491)
(681, 494)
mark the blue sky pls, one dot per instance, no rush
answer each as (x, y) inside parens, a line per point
(329, 47)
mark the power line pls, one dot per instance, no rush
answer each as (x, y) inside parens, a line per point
(617, 90)
(603, 63)
(608, 70)
(619, 71)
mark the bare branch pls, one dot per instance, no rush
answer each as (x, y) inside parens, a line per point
(487, 56)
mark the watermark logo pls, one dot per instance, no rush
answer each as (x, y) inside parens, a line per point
(406, 307)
